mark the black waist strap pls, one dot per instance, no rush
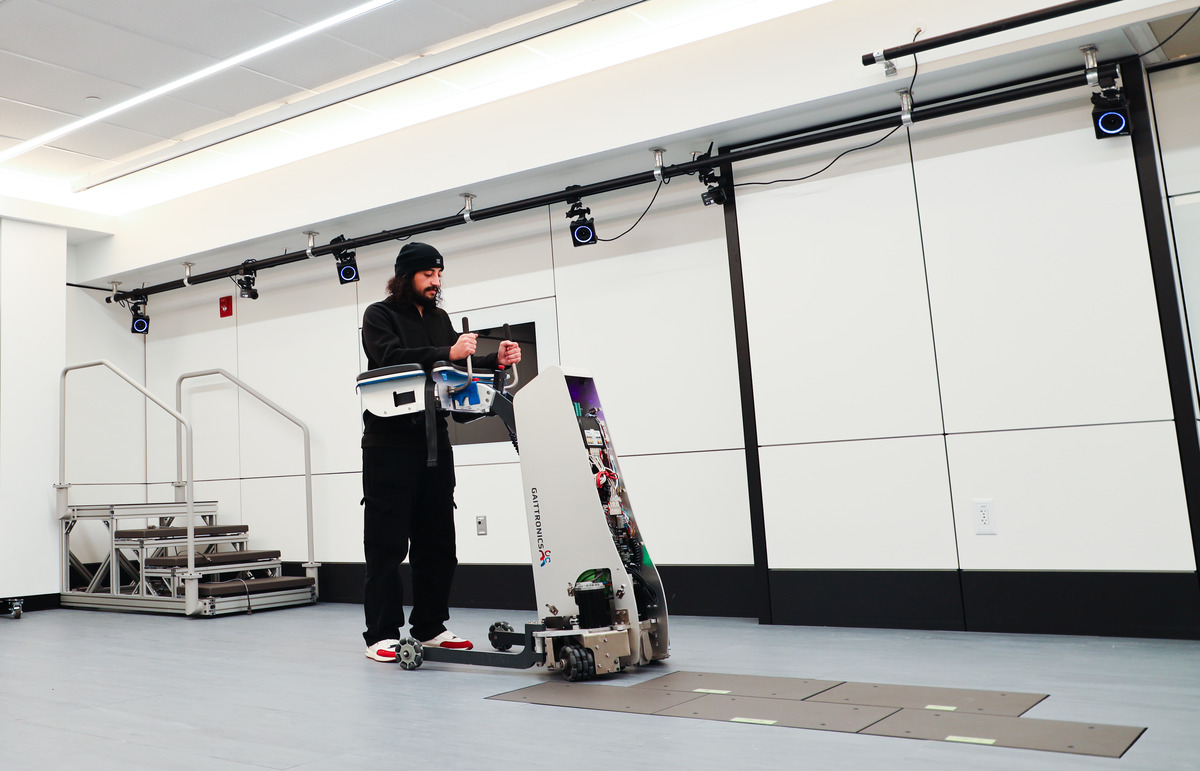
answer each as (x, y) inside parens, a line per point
(431, 443)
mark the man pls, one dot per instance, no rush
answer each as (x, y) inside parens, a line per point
(408, 502)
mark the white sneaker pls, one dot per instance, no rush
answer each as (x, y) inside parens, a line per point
(384, 650)
(448, 639)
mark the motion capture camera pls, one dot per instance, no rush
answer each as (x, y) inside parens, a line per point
(583, 232)
(1110, 114)
(713, 195)
(139, 324)
(583, 228)
(715, 192)
(246, 282)
(347, 267)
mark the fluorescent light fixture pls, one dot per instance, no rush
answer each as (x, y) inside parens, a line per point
(224, 64)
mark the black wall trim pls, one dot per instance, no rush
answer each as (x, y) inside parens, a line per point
(692, 590)
(710, 590)
(761, 589)
(880, 599)
(1166, 289)
(1163, 605)
(1108, 604)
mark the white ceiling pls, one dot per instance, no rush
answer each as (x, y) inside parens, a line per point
(61, 60)
(65, 59)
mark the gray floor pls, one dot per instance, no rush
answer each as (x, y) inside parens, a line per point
(291, 689)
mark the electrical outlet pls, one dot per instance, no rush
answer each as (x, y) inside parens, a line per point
(481, 525)
(985, 516)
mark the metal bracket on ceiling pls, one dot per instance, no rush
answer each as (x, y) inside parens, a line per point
(906, 106)
(889, 69)
(115, 284)
(468, 205)
(187, 273)
(658, 162)
(1091, 63)
(312, 241)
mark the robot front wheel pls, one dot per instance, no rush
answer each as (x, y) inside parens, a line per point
(409, 654)
(494, 638)
(576, 662)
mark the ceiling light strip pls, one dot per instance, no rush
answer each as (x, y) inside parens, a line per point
(224, 64)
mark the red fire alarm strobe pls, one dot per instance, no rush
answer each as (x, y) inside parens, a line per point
(226, 306)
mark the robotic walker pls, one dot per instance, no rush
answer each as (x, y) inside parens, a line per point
(599, 594)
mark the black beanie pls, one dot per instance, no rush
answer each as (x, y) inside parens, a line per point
(416, 257)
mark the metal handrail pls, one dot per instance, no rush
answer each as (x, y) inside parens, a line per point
(310, 566)
(191, 578)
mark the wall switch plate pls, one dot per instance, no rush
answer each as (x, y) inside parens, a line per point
(481, 525)
(985, 515)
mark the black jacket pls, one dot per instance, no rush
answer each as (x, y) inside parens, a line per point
(402, 335)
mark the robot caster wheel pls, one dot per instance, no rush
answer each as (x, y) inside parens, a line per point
(494, 639)
(576, 663)
(409, 654)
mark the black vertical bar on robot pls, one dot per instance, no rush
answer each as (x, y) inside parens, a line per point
(1166, 288)
(741, 333)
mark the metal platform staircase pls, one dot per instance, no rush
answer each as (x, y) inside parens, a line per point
(175, 557)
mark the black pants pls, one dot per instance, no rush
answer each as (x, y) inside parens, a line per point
(409, 511)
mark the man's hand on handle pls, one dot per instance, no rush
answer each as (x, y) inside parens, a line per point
(464, 347)
(510, 353)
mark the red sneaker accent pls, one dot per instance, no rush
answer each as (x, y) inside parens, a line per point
(382, 650)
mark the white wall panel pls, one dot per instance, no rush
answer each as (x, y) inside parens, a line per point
(838, 314)
(337, 518)
(869, 505)
(298, 345)
(187, 334)
(692, 508)
(274, 510)
(1043, 305)
(228, 495)
(32, 354)
(1089, 498)
(494, 491)
(1176, 93)
(105, 416)
(650, 317)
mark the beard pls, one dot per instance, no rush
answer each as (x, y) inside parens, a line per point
(429, 300)
(401, 291)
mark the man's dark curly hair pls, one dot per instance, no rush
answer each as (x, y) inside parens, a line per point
(400, 292)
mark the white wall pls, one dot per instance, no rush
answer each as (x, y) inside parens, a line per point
(1176, 92)
(33, 317)
(1048, 392)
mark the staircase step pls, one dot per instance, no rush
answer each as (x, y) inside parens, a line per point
(181, 532)
(254, 586)
(216, 558)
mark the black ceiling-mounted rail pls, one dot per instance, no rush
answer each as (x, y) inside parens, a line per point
(991, 28)
(960, 103)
